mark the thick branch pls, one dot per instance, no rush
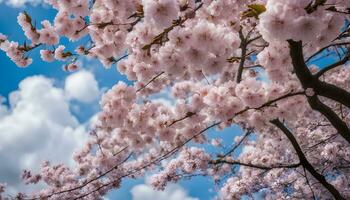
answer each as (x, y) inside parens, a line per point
(333, 92)
(332, 117)
(305, 163)
(307, 80)
(245, 41)
(243, 56)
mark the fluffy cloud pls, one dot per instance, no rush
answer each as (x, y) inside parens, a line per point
(21, 3)
(38, 125)
(172, 192)
(82, 87)
(3, 108)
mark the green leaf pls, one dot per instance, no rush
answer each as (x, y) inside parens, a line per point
(254, 10)
(258, 8)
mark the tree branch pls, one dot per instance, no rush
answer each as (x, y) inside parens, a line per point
(332, 117)
(235, 162)
(270, 102)
(308, 183)
(305, 163)
(326, 47)
(333, 92)
(87, 182)
(149, 82)
(243, 47)
(127, 173)
(159, 38)
(313, 6)
(188, 115)
(307, 80)
(332, 66)
(246, 135)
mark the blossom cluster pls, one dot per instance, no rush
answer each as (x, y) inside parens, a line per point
(14, 51)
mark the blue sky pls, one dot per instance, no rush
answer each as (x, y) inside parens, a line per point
(11, 77)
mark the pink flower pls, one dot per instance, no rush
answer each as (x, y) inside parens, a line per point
(47, 34)
(60, 54)
(161, 12)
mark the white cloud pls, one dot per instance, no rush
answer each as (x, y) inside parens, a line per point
(3, 108)
(21, 3)
(37, 126)
(171, 192)
(164, 97)
(82, 86)
(247, 149)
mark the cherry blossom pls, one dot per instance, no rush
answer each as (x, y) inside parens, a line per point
(252, 64)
